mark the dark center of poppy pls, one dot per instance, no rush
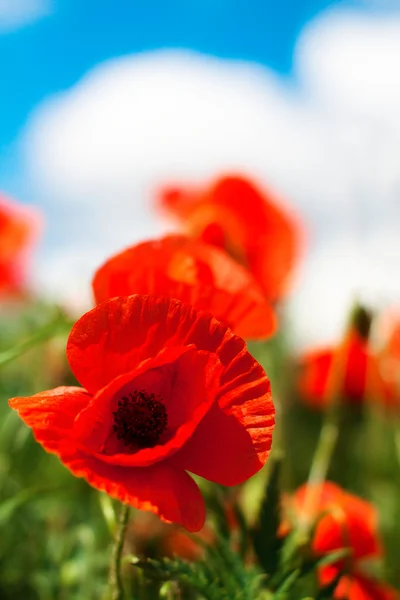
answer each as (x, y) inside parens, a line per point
(140, 419)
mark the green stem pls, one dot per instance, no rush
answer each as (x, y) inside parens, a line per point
(319, 469)
(327, 441)
(323, 454)
(58, 325)
(115, 579)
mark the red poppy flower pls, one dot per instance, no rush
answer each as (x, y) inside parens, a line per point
(357, 377)
(349, 521)
(344, 521)
(248, 223)
(193, 272)
(18, 229)
(167, 389)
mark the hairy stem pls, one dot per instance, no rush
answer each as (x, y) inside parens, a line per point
(115, 579)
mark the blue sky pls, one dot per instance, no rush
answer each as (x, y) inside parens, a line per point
(85, 138)
(52, 53)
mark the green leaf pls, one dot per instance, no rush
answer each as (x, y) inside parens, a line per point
(229, 567)
(267, 543)
(287, 585)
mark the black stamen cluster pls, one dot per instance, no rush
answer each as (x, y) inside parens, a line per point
(140, 419)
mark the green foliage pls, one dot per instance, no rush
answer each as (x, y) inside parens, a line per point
(55, 531)
(53, 538)
(221, 575)
(287, 584)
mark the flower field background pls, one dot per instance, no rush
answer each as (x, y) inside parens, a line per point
(296, 455)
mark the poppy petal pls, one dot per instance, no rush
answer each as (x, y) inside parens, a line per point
(92, 426)
(250, 223)
(357, 377)
(271, 234)
(162, 489)
(357, 586)
(51, 414)
(116, 335)
(233, 441)
(194, 273)
(168, 492)
(19, 228)
(177, 200)
(363, 588)
(315, 367)
(350, 521)
(188, 382)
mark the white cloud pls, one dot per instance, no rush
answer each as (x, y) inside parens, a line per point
(17, 13)
(142, 119)
(330, 143)
(343, 271)
(350, 62)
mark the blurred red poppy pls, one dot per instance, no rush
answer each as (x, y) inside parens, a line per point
(19, 226)
(168, 389)
(349, 521)
(358, 586)
(343, 521)
(389, 363)
(250, 224)
(193, 272)
(349, 371)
